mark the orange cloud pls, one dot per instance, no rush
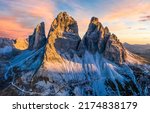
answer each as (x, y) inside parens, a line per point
(24, 16)
(42, 10)
(12, 29)
(83, 26)
(117, 27)
(128, 10)
(21, 16)
(131, 12)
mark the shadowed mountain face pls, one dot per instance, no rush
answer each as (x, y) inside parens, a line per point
(65, 64)
(38, 38)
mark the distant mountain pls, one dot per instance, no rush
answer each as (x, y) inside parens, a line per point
(64, 64)
(6, 48)
(142, 50)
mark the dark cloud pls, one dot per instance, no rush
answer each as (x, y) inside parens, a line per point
(145, 18)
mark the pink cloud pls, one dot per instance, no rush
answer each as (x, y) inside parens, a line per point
(24, 16)
(11, 29)
(131, 10)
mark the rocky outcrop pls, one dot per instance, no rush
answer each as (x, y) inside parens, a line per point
(63, 37)
(114, 50)
(99, 39)
(5, 42)
(95, 38)
(38, 38)
(21, 44)
(6, 48)
(93, 35)
(64, 23)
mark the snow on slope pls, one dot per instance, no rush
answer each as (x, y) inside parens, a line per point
(22, 61)
(85, 76)
(134, 59)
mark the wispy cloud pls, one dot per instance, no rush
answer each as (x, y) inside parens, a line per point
(22, 16)
(142, 28)
(128, 9)
(10, 28)
(145, 18)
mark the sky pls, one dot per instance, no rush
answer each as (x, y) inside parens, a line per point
(128, 19)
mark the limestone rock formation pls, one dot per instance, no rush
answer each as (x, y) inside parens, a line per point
(99, 39)
(114, 50)
(95, 37)
(38, 38)
(63, 37)
(21, 44)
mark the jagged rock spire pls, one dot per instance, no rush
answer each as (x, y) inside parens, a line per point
(106, 31)
(94, 36)
(99, 39)
(114, 50)
(65, 23)
(38, 38)
(63, 37)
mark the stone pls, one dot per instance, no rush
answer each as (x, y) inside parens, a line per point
(114, 50)
(38, 38)
(94, 35)
(21, 44)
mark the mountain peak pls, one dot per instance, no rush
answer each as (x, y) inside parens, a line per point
(94, 35)
(95, 24)
(106, 30)
(40, 28)
(65, 23)
(94, 20)
(63, 36)
(63, 14)
(38, 38)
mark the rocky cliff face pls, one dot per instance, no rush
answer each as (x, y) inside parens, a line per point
(99, 39)
(63, 37)
(38, 38)
(94, 36)
(35, 41)
(114, 50)
(21, 44)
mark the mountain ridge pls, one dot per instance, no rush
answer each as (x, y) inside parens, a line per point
(65, 64)
(142, 50)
